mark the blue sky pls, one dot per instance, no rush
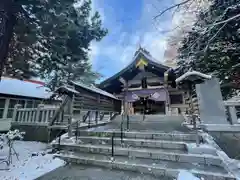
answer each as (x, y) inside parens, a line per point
(130, 24)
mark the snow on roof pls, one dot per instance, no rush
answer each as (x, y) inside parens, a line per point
(234, 101)
(148, 56)
(65, 88)
(94, 89)
(192, 73)
(235, 98)
(10, 86)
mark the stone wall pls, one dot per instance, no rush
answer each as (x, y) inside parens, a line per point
(37, 132)
(229, 143)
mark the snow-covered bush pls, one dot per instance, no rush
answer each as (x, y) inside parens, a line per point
(12, 135)
(15, 135)
(8, 139)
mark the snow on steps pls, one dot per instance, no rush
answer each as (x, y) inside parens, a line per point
(145, 153)
(157, 168)
(165, 153)
(134, 142)
(143, 135)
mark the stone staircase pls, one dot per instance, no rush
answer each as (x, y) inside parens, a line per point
(150, 152)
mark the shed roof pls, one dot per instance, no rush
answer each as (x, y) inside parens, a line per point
(10, 86)
(94, 89)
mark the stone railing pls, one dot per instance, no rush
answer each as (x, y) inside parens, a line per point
(232, 107)
(43, 115)
(39, 115)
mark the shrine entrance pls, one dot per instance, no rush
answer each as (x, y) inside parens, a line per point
(148, 106)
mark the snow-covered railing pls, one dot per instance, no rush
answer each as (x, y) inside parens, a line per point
(233, 108)
(44, 115)
(39, 115)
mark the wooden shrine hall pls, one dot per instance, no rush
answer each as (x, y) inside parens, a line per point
(146, 86)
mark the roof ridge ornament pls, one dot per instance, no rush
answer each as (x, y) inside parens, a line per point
(141, 64)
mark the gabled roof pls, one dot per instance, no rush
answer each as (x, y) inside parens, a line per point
(10, 86)
(140, 53)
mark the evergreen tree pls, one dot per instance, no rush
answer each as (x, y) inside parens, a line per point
(213, 44)
(51, 39)
(67, 32)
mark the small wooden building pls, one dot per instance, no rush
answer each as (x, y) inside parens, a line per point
(28, 93)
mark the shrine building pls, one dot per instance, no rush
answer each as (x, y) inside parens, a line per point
(146, 86)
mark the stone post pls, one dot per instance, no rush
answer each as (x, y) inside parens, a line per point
(16, 107)
(233, 114)
(39, 108)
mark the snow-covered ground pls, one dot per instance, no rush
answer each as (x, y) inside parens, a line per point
(33, 161)
(185, 175)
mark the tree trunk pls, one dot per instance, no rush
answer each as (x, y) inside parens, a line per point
(7, 21)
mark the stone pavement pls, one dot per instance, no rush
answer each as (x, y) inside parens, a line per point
(73, 172)
(151, 123)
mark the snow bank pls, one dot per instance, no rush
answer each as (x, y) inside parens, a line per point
(185, 175)
(33, 161)
(231, 165)
(201, 149)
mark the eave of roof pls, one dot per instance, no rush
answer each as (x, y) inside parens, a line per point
(149, 58)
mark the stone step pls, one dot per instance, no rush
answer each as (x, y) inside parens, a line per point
(144, 153)
(142, 135)
(163, 144)
(159, 168)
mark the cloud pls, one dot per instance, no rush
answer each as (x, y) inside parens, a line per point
(118, 48)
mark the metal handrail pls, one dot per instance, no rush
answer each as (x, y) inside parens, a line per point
(122, 129)
(113, 136)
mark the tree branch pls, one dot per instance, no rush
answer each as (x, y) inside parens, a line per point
(227, 20)
(171, 7)
(214, 36)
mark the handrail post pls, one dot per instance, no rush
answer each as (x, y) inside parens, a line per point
(127, 122)
(70, 115)
(89, 118)
(121, 132)
(16, 107)
(59, 142)
(196, 130)
(76, 131)
(113, 135)
(96, 117)
(110, 115)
